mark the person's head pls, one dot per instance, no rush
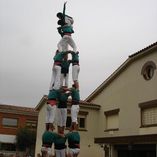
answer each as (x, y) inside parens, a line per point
(66, 57)
(61, 89)
(60, 130)
(61, 22)
(74, 85)
(59, 15)
(51, 127)
(57, 51)
(74, 126)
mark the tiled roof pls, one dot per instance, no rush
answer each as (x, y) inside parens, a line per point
(144, 49)
(18, 110)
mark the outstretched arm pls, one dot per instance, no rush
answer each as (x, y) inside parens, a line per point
(64, 10)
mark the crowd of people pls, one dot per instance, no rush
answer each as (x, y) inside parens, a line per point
(59, 93)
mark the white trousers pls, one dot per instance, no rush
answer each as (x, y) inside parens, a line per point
(65, 80)
(75, 72)
(74, 113)
(47, 150)
(74, 151)
(60, 153)
(64, 42)
(69, 21)
(55, 78)
(50, 113)
(61, 116)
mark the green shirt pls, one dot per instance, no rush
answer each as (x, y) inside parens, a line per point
(53, 94)
(75, 57)
(60, 142)
(59, 57)
(67, 29)
(48, 138)
(75, 94)
(73, 139)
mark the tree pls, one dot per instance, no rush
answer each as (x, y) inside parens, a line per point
(25, 140)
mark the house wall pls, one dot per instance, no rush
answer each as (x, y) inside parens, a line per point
(125, 92)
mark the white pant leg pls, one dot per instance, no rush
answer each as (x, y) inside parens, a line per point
(59, 45)
(69, 21)
(65, 80)
(64, 116)
(61, 116)
(75, 72)
(47, 114)
(47, 150)
(51, 113)
(52, 78)
(71, 42)
(62, 79)
(74, 151)
(74, 113)
(63, 44)
(57, 77)
(60, 153)
(63, 152)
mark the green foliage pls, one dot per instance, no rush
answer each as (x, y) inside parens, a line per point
(25, 138)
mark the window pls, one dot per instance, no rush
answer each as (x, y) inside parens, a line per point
(148, 113)
(148, 70)
(112, 120)
(149, 116)
(31, 124)
(9, 122)
(81, 120)
(8, 146)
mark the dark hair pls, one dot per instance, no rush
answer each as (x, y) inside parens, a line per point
(73, 85)
(60, 15)
(61, 22)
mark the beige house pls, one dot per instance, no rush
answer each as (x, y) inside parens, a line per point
(88, 121)
(128, 116)
(119, 119)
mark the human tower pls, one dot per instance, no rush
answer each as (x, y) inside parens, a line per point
(59, 93)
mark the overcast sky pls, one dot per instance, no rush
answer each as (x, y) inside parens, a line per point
(106, 33)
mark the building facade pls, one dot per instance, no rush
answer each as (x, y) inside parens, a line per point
(128, 116)
(11, 119)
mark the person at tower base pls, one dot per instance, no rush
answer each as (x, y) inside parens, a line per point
(48, 138)
(73, 138)
(60, 146)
